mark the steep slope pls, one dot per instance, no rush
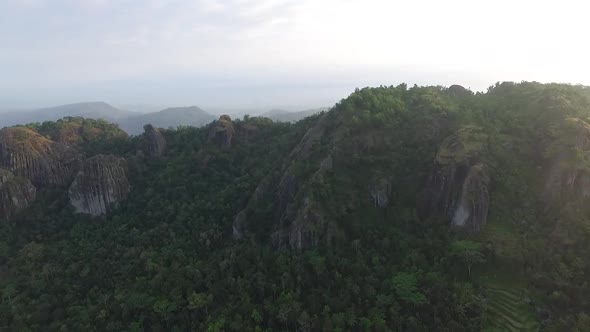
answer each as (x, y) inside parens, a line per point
(458, 186)
(341, 162)
(101, 182)
(34, 157)
(221, 132)
(16, 193)
(154, 143)
(568, 175)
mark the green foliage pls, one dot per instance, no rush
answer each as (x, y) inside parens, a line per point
(165, 260)
(405, 286)
(469, 251)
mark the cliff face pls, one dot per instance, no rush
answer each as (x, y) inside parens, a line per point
(154, 143)
(221, 132)
(16, 193)
(457, 189)
(568, 170)
(380, 192)
(101, 181)
(299, 220)
(34, 157)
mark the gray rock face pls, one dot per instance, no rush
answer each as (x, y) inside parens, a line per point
(458, 186)
(34, 157)
(301, 224)
(568, 177)
(298, 224)
(16, 193)
(471, 210)
(221, 132)
(239, 226)
(380, 192)
(154, 143)
(459, 91)
(304, 225)
(101, 181)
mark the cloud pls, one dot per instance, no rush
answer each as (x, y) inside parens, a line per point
(64, 44)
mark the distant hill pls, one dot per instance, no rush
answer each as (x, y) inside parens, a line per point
(94, 110)
(286, 116)
(170, 117)
(131, 122)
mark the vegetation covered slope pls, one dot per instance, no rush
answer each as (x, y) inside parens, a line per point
(407, 209)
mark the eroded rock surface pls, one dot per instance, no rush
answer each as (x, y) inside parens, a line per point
(568, 175)
(16, 193)
(37, 158)
(101, 182)
(457, 189)
(221, 132)
(154, 143)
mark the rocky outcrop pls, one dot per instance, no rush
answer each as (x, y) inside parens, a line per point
(457, 190)
(221, 132)
(568, 172)
(459, 91)
(299, 222)
(16, 193)
(154, 143)
(34, 157)
(380, 192)
(101, 182)
(303, 223)
(471, 210)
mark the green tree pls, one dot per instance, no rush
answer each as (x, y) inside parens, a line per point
(405, 285)
(468, 251)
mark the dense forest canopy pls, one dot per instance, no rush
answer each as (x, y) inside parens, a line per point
(400, 209)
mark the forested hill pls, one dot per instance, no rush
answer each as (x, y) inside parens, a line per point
(400, 209)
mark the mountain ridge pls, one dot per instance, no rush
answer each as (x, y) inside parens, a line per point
(414, 209)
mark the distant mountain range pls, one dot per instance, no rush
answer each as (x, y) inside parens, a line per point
(170, 117)
(95, 110)
(133, 122)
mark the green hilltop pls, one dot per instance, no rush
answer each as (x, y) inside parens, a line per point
(398, 209)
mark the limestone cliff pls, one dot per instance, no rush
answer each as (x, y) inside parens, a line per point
(298, 222)
(221, 132)
(37, 158)
(568, 167)
(154, 144)
(304, 223)
(101, 182)
(380, 192)
(457, 189)
(16, 193)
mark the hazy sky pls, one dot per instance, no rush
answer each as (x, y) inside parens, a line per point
(267, 53)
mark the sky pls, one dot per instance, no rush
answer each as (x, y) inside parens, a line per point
(278, 53)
